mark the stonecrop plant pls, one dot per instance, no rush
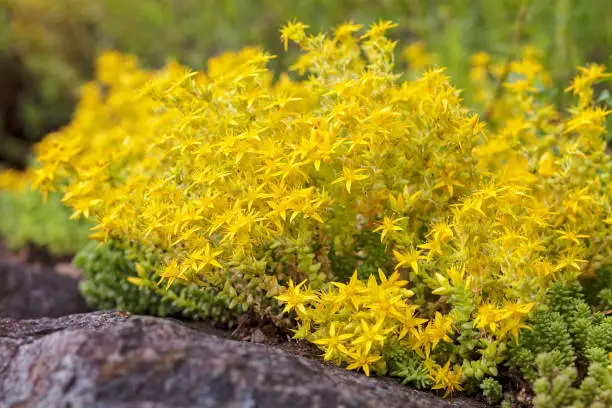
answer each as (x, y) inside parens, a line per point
(402, 233)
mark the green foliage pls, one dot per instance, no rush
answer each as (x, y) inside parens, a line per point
(406, 365)
(553, 387)
(26, 219)
(549, 333)
(492, 390)
(600, 335)
(566, 354)
(106, 270)
(489, 355)
(364, 253)
(105, 284)
(598, 288)
(563, 299)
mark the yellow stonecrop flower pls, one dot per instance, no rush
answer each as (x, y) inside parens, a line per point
(582, 86)
(445, 378)
(502, 321)
(352, 322)
(247, 184)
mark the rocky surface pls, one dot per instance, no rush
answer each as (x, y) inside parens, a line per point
(111, 359)
(33, 290)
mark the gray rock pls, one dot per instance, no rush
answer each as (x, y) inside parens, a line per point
(29, 291)
(111, 359)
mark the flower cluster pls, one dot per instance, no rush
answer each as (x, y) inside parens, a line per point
(244, 184)
(352, 322)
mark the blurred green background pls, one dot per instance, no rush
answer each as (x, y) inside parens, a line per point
(48, 47)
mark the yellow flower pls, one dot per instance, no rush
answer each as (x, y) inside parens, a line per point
(570, 236)
(588, 76)
(351, 292)
(293, 31)
(171, 272)
(367, 335)
(334, 342)
(447, 379)
(294, 298)
(346, 30)
(487, 317)
(547, 167)
(449, 181)
(361, 359)
(409, 258)
(349, 176)
(388, 227)
(438, 329)
(202, 258)
(378, 29)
